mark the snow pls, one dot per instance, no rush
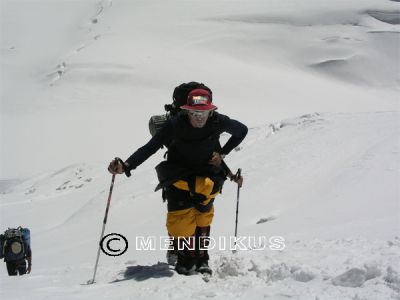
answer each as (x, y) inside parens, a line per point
(316, 82)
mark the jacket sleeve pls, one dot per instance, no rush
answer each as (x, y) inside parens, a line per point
(236, 129)
(156, 142)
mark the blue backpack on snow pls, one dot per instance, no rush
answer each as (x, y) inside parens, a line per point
(14, 243)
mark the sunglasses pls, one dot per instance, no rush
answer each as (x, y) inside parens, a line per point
(199, 113)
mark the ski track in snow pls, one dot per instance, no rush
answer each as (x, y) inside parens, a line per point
(65, 67)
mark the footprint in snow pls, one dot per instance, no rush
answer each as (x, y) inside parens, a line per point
(267, 219)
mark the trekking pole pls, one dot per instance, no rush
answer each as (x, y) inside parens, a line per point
(238, 175)
(104, 227)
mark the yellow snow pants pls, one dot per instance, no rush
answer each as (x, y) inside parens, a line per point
(183, 223)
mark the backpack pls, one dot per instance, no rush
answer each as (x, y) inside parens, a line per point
(179, 98)
(14, 243)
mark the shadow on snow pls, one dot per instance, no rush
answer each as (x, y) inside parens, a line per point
(141, 273)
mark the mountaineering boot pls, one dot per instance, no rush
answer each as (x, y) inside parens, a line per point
(202, 266)
(202, 243)
(172, 253)
(186, 263)
(172, 257)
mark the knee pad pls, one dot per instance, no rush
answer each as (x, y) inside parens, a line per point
(181, 223)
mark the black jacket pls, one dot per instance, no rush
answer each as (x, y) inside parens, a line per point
(191, 147)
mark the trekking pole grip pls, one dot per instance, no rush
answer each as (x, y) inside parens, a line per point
(238, 173)
(238, 178)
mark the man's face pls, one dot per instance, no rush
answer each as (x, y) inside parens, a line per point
(198, 118)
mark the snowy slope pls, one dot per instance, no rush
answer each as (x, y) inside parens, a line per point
(316, 82)
(326, 183)
(100, 64)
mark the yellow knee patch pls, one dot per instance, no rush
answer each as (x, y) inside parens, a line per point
(181, 223)
(204, 219)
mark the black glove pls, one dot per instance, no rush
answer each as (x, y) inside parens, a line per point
(116, 166)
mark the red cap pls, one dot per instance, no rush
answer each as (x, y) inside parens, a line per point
(199, 99)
